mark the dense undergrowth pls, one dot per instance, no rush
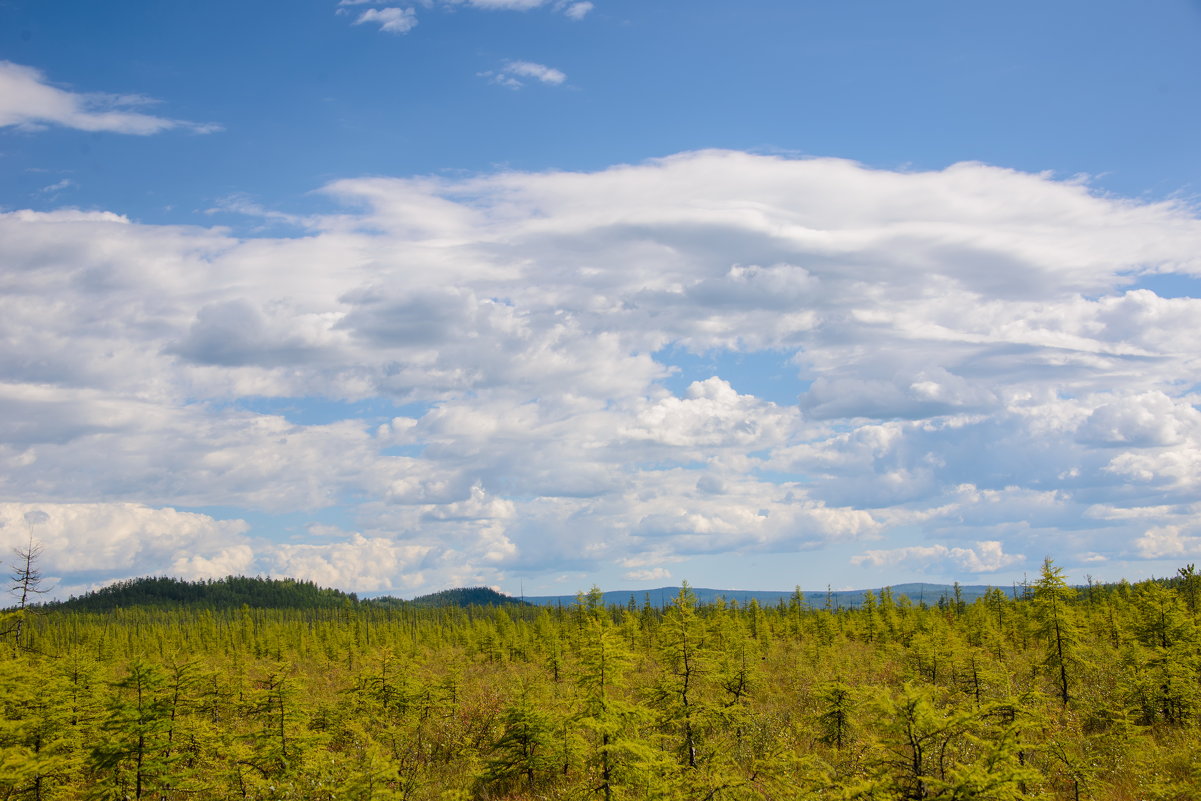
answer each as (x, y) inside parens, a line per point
(1059, 695)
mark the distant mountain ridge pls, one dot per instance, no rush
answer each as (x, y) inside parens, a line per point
(917, 592)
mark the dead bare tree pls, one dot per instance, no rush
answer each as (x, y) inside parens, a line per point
(26, 580)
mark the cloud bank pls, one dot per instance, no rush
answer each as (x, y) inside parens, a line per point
(979, 381)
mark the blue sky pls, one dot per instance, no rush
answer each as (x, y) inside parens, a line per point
(400, 296)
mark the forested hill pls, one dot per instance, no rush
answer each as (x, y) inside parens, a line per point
(233, 592)
(465, 596)
(225, 593)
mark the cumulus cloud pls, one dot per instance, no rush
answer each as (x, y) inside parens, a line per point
(28, 100)
(1149, 419)
(92, 544)
(1168, 542)
(122, 540)
(235, 560)
(970, 364)
(712, 414)
(366, 563)
(985, 557)
(234, 332)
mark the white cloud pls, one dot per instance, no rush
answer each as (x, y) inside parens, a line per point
(365, 563)
(712, 414)
(1177, 468)
(539, 72)
(235, 560)
(514, 74)
(502, 5)
(576, 10)
(1149, 419)
(244, 205)
(531, 319)
(571, 9)
(390, 20)
(28, 100)
(394, 19)
(649, 574)
(122, 540)
(986, 557)
(1168, 542)
(56, 187)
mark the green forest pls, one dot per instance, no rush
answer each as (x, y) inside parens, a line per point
(1059, 693)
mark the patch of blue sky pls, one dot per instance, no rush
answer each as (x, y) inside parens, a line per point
(409, 451)
(1030, 85)
(94, 579)
(1169, 285)
(323, 411)
(766, 374)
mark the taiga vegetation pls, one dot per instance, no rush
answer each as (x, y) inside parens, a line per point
(1056, 694)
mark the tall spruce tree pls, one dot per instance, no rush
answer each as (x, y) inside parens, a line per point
(135, 748)
(685, 660)
(1057, 625)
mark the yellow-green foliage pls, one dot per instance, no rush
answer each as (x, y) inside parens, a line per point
(1093, 695)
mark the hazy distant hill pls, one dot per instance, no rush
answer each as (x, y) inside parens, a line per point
(916, 592)
(228, 592)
